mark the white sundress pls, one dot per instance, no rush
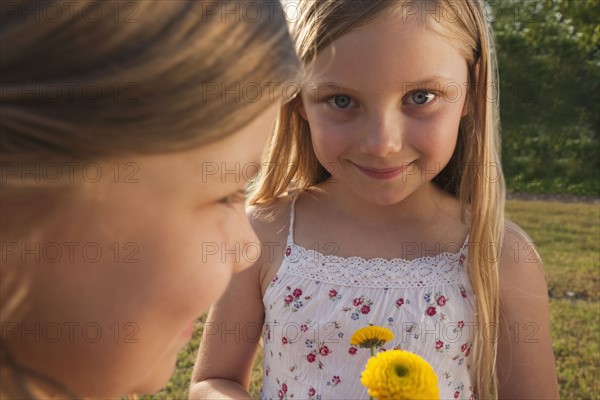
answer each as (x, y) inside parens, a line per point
(315, 302)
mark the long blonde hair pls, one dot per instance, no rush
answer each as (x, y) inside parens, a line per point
(473, 174)
(91, 80)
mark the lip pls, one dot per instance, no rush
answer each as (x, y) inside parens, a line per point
(382, 173)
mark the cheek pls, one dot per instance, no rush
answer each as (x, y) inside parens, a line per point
(436, 148)
(199, 259)
(224, 245)
(437, 135)
(329, 139)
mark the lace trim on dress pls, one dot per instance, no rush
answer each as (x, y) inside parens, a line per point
(376, 272)
(443, 268)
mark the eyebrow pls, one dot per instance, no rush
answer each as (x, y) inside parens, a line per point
(434, 79)
(334, 87)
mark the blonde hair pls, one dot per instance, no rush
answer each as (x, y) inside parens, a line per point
(93, 80)
(473, 174)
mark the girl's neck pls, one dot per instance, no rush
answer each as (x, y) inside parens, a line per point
(420, 207)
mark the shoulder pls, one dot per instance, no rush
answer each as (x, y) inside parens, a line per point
(273, 220)
(518, 254)
(513, 232)
(521, 272)
(271, 224)
(526, 367)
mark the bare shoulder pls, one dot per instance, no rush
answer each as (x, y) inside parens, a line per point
(521, 270)
(526, 366)
(270, 221)
(519, 258)
(514, 232)
(271, 225)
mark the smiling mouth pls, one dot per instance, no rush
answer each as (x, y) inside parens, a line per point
(382, 173)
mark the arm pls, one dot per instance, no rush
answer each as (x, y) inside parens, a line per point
(230, 339)
(526, 366)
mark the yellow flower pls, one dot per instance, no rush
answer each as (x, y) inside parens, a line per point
(371, 336)
(400, 375)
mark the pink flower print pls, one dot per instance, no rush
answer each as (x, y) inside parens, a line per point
(332, 293)
(399, 302)
(303, 327)
(336, 380)
(352, 351)
(465, 348)
(311, 358)
(456, 394)
(461, 259)
(463, 291)
(280, 394)
(360, 305)
(439, 344)
(288, 251)
(284, 340)
(312, 391)
(324, 351)
(284, 388)
(461, 324)
(441, 301)
(431, 311)
(295, 299)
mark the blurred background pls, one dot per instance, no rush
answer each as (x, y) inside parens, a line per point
(549, 61)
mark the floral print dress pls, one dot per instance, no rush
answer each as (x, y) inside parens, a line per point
(315, 302)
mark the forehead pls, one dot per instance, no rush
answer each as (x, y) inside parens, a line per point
(213, 169)
(389, 49)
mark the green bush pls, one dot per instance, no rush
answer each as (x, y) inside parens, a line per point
(549, 58)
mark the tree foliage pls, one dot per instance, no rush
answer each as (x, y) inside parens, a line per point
(549, 60)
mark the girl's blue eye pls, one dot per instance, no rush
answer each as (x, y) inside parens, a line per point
(421, 97)
(340, 101)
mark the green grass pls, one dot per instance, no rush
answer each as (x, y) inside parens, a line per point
(568, 239)
(576, 347)
(567, 236)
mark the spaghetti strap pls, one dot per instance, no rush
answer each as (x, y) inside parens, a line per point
(465, 244)
(292, 215)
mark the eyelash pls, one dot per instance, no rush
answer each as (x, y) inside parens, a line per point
(331, 100)
(234, 198)
(431, 97)
(428, 93)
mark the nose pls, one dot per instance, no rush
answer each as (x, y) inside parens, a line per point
(248, 241)
(382, 134)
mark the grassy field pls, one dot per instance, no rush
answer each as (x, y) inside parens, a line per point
(568, 238)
